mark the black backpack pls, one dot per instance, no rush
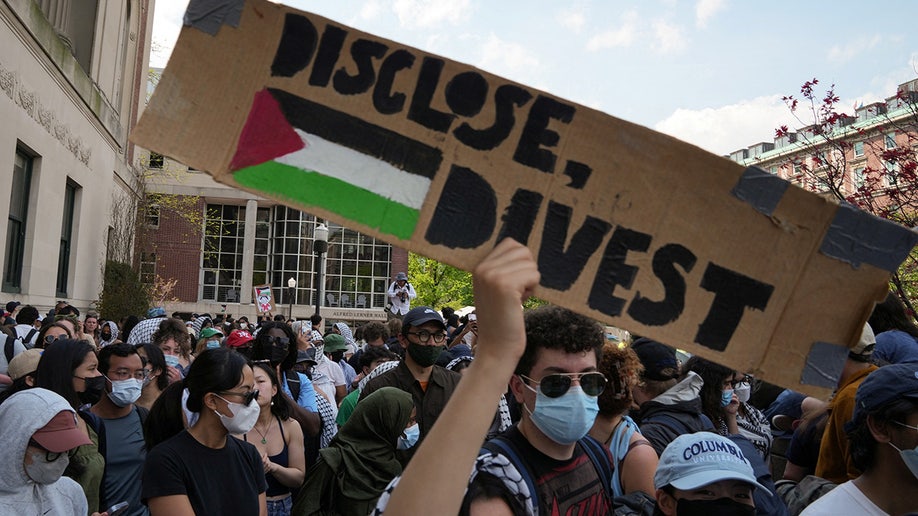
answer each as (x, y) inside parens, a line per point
(592, 447)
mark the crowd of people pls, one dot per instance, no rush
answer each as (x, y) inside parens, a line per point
(501, 411)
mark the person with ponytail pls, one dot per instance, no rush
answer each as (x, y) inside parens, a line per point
(201, 469)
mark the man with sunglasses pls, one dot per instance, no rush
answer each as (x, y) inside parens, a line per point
(423, 337)
(557, 384)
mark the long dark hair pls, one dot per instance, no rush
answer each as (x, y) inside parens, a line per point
(157, 360)
(214, 370)
(279, 407)
(56, 367)
(40, 339)
(712, 390)
(261, 348)
(890, 315)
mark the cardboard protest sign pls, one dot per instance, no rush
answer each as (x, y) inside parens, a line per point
(629, 226)
(264, 299)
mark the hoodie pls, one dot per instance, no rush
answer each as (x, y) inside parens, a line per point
(114, 329)
(20, 416)
(673, 413)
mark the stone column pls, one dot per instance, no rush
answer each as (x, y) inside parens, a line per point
(248, 251)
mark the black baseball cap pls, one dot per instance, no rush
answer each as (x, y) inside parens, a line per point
(422, 314)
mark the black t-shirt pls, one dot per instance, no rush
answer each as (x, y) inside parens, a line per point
(224, 481)
(571, 486)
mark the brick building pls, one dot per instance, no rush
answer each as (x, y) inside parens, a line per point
(218, 243)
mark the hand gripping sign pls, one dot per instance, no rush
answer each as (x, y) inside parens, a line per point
(628, 226)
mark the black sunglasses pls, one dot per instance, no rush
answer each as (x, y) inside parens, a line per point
(51, 338)
(246, 397)
(283, 341)
(555, 385)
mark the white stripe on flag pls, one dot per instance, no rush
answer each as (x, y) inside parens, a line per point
(350, 166)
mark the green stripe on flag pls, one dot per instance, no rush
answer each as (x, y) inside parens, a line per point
(314, 189)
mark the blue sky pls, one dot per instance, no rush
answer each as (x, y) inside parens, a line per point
(710, 72)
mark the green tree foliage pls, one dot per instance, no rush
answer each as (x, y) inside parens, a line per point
(122, 292)
(439, 284)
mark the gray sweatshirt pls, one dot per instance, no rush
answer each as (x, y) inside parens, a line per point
(20, 416)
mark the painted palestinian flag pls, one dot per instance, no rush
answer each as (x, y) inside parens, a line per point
(298, 150)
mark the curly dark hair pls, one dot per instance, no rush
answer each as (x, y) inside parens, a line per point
(553, 327)
(623, 371)
(261, 347)
(712, 390)
(861, 444)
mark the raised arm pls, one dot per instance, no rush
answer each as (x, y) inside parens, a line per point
(435, 479)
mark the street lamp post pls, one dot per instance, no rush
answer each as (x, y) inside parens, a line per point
(291, 284)
(320, 246)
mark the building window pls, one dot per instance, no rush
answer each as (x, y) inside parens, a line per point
(357, 269)
(155, 161)
(859, 177)
(152, 218)
(890, 141)
(224, 232)
(858, 148)
(16, 223)
(63, 255)
(292, 256)
(148, 268)
(892, 172)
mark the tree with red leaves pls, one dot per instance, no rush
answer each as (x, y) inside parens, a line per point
(868, 158)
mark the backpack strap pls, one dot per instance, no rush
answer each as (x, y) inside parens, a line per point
(293, 383)
(142, 413)
(28, 337)
(600, 459)
(505, 447)
(8, 349)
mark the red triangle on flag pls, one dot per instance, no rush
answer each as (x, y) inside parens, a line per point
(266, 135)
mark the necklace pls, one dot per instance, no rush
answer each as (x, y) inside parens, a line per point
(264, 435)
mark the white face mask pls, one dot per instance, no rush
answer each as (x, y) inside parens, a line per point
(43, 472)
(409, 437)
(244, 417)
(743, 391)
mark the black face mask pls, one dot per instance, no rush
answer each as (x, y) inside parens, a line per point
(278, 354)
(718, 507)
(105, 336)
(93, 390)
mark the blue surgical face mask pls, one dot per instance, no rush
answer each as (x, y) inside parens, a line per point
(565, 419)
(125, 392)
(726, 397)
(172, 360)
(409, 437)
(213, 344)
(909, 457)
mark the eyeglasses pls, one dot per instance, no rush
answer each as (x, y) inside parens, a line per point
(745, 379)
(424, 336)
(247, 397)
(123, 374)
(283, 341)
(555, 385)
(51, 338)
(50, 456)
